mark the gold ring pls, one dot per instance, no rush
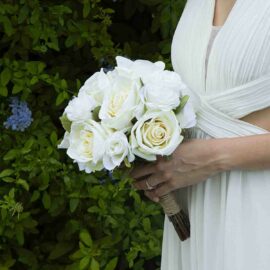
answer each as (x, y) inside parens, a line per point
(149, 187)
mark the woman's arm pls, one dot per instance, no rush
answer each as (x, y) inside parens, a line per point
(247, 153)
(197, 159)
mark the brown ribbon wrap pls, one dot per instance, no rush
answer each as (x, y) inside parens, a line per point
(177, 216)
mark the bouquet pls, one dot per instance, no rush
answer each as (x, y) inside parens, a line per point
(138, 110)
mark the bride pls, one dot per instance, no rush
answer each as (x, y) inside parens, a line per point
(221, 49)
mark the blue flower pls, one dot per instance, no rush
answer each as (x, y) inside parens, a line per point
(21, 117)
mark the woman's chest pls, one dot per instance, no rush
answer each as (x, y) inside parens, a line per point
(240, 51)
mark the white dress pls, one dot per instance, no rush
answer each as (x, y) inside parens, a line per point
(230, 212)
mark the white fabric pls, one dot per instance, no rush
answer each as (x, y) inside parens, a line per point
(230, 212)
(214, 32)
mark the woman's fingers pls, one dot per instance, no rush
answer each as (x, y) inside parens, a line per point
(160, 191)
(150, 195)
(143, 170)
(163, 189)
(152, 181)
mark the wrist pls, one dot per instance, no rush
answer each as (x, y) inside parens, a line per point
(223, 155)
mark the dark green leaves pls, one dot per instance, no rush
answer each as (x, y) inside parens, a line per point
(53, 216)
(5, 76)
(60, 249)
(86, 238)
(86, 8)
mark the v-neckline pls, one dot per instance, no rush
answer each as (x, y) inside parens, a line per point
(228, 16)
(220, 31)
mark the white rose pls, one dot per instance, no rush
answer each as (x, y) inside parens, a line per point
(122, 103)
(96, 86)
(87, 145)
(117, 149)
(156, 133)
(162, 91)
(80, 108)
(187, 117)
(139, 68)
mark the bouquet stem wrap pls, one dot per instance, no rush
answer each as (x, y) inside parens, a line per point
(176, 215)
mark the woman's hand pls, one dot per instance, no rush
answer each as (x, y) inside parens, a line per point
(192, 162)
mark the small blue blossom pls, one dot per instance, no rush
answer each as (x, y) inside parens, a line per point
(21, 117)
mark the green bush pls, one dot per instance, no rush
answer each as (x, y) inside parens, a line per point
(51, 215)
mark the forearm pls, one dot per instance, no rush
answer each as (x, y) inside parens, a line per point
(248, 152)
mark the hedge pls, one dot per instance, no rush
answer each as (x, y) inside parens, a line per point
(51, 215)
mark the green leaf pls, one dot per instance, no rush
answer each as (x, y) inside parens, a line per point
(127, 163)
(73, 204)
(96, 113)
(23, 14)
(41, 67)
(182, 104)
(27, 257)
(76, 255)
(35, 16)
(117, 210)
(3, 213)
(3, 91)
(61, 97)
(86, 238)
(9, 261)
(19, 234)
(84, 263)
(8, 179)
(23, 183)
(94, 264)
(63, 84)
(11, 154)
(32, 67)
(17, 88)
(60, 249)
(11, 193)
(34, 80)
(6, 172)
(66, 123)
(29, 223)
(53, 138)
(146, 224)
(46, 200)
(93, 209)
(133, 223)
(35, 196)
(71, 39)
(9, 30)
(27, 146)
(86, 8)
(5, 76)
(112, 264)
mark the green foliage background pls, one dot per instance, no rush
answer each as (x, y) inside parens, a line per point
(51, 215)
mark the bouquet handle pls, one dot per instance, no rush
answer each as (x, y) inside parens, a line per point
(176, 215)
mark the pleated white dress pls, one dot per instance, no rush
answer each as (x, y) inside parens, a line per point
(230, 212)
